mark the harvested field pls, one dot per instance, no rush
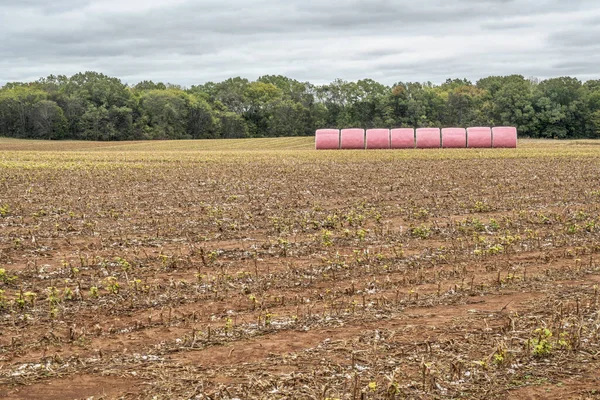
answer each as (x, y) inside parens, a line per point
(264, 269)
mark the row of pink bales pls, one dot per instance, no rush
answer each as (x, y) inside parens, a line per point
(421, 138)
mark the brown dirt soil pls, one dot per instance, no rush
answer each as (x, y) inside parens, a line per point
(569, 389)
(73, 387)
(176, 271)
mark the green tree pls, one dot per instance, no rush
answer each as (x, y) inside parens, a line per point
(202, 123)
(48, 120)
(510, 102)
(94, 106)
(17, 109)
(165, 114)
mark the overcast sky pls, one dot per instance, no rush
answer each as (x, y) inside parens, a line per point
(190, 42)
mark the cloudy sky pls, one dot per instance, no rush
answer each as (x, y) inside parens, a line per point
(194, 41)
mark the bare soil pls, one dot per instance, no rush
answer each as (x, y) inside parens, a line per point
(169, 273)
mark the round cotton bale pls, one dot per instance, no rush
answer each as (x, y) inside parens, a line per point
(504, 136)
(402, 138)
(352, 139)
(378, 139)
(327, 139)
(428, 138)
(479, 137)
(454, 138)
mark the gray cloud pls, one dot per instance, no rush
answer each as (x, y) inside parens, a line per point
(189, 42)
(573, 38)
(46, 7)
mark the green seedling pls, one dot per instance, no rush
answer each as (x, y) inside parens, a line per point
(326, 238)
(30, 298)
(124, 264)
(268, 319)
(20, 300)
(540, 346)
(112, 285)
(481, 207)
(421, 232)
(228, 325)
(361, 234)
(53, 297)
(5, 277)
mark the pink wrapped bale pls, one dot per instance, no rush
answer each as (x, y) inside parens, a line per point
(402, 138)
(352, 139)
(479, 137)
(378, 139)
(327, 139)
(504, 136)
(454, 138)
(428, 138)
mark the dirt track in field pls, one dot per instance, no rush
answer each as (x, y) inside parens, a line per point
(132, 273)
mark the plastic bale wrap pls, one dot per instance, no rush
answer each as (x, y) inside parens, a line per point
(327, 139)
(402, 138)
(378, 139)
(504, 136)
(352, 139)
(479, 137)
(428, 138)
(454, 138)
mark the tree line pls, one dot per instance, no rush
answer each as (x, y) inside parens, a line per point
(93, 106)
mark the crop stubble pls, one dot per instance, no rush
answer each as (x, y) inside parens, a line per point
(264, 269)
